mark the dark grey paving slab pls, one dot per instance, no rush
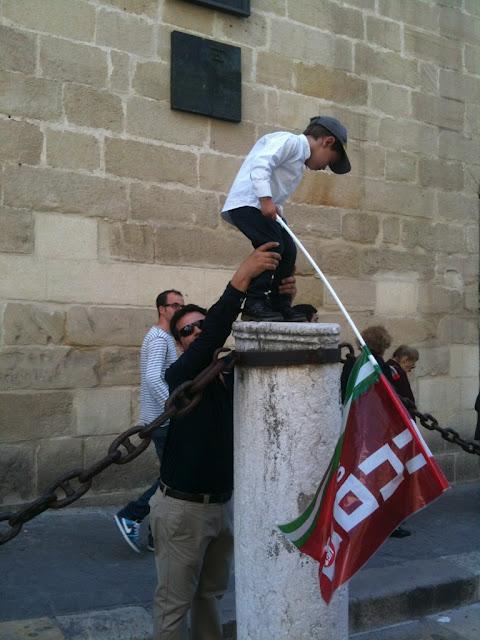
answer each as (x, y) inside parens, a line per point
(410, 589)
(70, 561)
(459, 624)
(449, 526)
(123, 623)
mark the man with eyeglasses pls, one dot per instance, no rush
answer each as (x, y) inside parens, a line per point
(157, 354)
(191, 513)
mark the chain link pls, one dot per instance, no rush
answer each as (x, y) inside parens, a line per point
(447, 433)
(72, 485)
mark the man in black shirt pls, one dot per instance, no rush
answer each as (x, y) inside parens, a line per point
(191, 515)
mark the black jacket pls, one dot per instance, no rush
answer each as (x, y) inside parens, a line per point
(198, 456)
(400, 381)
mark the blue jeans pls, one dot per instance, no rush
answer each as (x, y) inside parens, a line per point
(139, 509)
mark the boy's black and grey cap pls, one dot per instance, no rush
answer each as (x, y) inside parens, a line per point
(336, 128)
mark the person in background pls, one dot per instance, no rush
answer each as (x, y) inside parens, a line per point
(378, 340)
(158, 352)
(402, 362)
(308, 310)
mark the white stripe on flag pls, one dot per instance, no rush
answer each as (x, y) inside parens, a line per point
(302, 530)
(425, 445)
(364, 371)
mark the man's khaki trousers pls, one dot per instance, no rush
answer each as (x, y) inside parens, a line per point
(193, 552)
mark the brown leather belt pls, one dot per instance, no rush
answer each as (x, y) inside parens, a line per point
(205, 498)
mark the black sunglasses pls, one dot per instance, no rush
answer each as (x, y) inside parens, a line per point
(187, 330)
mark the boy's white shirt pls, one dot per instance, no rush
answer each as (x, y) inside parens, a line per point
(274, 167)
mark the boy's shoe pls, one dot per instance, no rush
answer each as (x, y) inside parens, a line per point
(130, 530)
(150, 542)
(283, 304)
(260, 310)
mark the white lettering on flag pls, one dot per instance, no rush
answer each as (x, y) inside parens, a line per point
(368, 503)
(415, 463)
(331, 551)
(384, 454)
(418, 461)
(403, 439)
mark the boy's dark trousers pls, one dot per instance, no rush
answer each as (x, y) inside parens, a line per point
(260, 229)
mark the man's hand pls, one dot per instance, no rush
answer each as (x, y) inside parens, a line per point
(288, 286)
(268, 208)
(260, 260)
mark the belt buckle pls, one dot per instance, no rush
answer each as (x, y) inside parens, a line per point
(206, 498)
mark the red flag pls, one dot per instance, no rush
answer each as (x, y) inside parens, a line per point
(382, 471)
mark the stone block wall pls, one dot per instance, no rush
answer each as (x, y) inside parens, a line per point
(108, 197)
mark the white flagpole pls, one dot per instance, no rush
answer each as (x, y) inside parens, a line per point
(357, 333)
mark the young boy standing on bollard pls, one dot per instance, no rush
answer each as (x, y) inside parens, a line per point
(268, 176)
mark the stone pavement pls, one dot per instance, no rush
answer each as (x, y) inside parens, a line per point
(69, 575)
(458, 624)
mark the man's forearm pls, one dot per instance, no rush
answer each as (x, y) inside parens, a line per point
(216, 329)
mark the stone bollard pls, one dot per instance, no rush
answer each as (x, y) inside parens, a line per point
(287, 422)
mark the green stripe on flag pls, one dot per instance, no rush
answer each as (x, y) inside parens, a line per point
(299, 530)
(363, 375)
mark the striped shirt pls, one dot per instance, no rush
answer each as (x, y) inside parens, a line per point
(157, 354)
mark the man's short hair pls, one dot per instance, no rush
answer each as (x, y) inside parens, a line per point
(162, 298)
(318, 131)
(188, 308)
(404, 351)
(377, 339)
(307, 309)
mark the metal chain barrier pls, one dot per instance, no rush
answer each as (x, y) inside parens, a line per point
(447, 433)
(72, 485)
(427, 420)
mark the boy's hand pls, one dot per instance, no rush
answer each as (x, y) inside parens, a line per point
(268, 208)
(260, 260)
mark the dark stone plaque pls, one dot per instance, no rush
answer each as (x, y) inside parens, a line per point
(206, 77)
(237, 7)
